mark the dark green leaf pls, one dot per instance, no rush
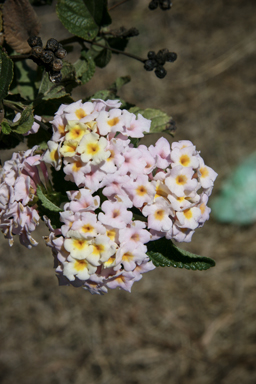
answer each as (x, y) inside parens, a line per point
(49, 107)
(84, 67)
(60, 184)
(6, 74)
(119, 43)
(164, 253)
(49, 90)
(23, 125)
(46, 202)
(83, 17)
(160, 121)
(100, 55)
(111, 93)
(40, 138)
(24, 81)
(10, 141)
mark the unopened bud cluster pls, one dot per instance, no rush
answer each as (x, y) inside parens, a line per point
(50, 57)
(163, 4)
(156, 61)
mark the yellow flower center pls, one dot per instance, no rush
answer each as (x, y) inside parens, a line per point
(181, 179)
(204, 172)
(80, 113)
(141, 190)
(185, 160)
(188, 214)
(80, 265)
(159, 214)
(113, 121)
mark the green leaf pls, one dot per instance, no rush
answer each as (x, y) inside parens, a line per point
(6, 74)
(164, 253)
(83, 17)
(84, 67)
(49, 90)
(46, 202)
(160, 121)
(24, 81)
(6, 129)
(23, 125)
(111, 93)
(100, 55)
(119, 83)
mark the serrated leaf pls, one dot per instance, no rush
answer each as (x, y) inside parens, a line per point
(164, 253)
(49, 90)
(6, 74)
(46, 202)
(160, 121)
(84, 67)
(83, 17)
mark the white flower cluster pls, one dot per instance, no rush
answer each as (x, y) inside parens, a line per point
(18, 179)
(101, 243)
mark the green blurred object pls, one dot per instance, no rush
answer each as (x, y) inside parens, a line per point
(236, 203)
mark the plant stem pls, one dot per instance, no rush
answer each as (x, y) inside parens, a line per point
(20, 57)
(116, 5)
(80, 40)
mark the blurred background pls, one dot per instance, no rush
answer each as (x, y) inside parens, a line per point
(176, 326)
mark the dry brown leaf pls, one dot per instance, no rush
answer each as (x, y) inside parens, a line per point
(20, 22)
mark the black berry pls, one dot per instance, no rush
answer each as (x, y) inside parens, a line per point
(47, 56)
(149, 65)
(37, 52)
(52, 45)
(153, 5)
(35, 41)
(57, 64)
(55, 77)
(160, 72)
(171, 57)
(61, 53)
(151, 55)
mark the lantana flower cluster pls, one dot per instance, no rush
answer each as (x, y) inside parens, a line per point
(19, 178)
(126, 196)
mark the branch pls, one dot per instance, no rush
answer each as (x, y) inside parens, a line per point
(74, 39)
(116, 5)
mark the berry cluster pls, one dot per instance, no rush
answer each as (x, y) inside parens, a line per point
(163, 4)
(49, 57)
(157, 61)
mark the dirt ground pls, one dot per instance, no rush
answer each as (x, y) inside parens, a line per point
(176, 326)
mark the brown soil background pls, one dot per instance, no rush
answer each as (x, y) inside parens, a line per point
(176, 326)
